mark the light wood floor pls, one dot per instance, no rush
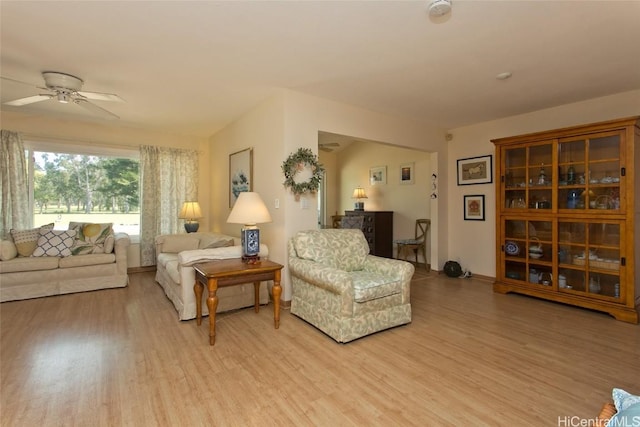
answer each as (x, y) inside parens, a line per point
(470, 357)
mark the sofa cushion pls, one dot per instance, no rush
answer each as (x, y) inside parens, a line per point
(344, 249)
(27, 240)
(90, 237)
(214, 240)
(21, 264)
(54, 243)
(370, 285)
(176, 244)
(8, 250)
(164, 258)
(219, 244)
(87, 259)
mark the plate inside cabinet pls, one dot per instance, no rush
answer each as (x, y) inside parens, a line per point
(511, 248)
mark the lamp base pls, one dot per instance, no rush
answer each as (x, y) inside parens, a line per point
(251, 259)
(250, 238)
(191, 227)
(359, 206)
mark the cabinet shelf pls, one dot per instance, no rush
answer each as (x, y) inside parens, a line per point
(571, 216)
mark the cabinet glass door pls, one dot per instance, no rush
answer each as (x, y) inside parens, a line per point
(528, 177)
(528, 251)
(590, 258)
(589, 172)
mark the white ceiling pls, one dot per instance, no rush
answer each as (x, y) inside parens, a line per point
(193, 67)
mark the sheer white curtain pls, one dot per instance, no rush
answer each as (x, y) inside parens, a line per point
(13, 184)
(168, 177)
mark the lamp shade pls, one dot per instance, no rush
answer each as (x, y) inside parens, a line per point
(249, 209)
(359, 193)
(190, 210)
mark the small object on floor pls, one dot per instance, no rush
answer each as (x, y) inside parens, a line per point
(452, 269)
(466, 274)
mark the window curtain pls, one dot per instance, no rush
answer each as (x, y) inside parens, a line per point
(14, 188)
(168, 177)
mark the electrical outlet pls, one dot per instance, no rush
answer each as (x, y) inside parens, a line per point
(305, 204)
(277, 204)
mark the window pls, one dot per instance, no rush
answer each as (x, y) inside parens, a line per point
(84, 184)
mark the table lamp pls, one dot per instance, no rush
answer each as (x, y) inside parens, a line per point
(249, 210)
(190, 211)
(358, 194)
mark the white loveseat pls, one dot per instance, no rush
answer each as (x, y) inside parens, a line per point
(177, 253)
(27, 277)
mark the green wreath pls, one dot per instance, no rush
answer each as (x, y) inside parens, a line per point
(295, 163)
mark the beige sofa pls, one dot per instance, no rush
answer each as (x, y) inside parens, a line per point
(177, 253)
(33, 277)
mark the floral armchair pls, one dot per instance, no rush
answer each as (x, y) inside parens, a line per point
(341, 289)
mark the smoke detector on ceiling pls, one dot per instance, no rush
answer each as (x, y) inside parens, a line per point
(439, 7)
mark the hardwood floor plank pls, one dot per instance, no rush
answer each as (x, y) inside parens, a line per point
(121, 357)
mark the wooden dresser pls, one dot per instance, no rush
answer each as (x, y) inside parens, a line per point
(378, 229)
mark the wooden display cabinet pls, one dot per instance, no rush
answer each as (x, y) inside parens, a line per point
(566, 216)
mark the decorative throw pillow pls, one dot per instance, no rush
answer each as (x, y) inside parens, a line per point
(27, 240)
(55, 243)
(628, 417)
(109, 243)
(623, 399)
(90, 237)
(8, 250)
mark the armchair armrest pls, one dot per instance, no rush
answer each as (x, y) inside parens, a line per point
(322, 276)
(402, 270)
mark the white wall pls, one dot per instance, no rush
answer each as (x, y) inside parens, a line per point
(408, 202)
(277, 128)
(472, 243)
(261, 129)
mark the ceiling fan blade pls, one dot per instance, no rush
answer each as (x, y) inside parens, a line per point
(28, 100)
(98, 96)
(328, 150)
(95, 109)
(329, 144)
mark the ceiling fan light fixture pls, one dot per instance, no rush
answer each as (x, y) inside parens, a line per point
(63, 98)
(439, 7)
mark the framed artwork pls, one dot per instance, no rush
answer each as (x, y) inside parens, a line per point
(475, 170)
(474, 208)
(240, 174)
(406, 173)
(378, 175)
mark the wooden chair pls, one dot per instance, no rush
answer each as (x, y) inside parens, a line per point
(417, 244)
(352, 221)
(336, 220)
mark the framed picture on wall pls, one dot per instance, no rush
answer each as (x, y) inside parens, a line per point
(474, 208)
(475, 170)
(240, 174)
(378, 175)
(407, 171)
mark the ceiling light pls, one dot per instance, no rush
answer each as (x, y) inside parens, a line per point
(63, 98)
(503, 76)
(439, 7)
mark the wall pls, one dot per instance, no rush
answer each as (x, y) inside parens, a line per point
(277, 128)
(64, 131)
(261, 129)
(472, 243)
(408, 202)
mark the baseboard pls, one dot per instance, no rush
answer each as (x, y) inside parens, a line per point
(132, 270)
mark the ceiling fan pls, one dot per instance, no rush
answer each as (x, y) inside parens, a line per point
(65, 88)
(324, 146)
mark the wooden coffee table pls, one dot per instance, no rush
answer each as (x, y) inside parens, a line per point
(229, 272)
